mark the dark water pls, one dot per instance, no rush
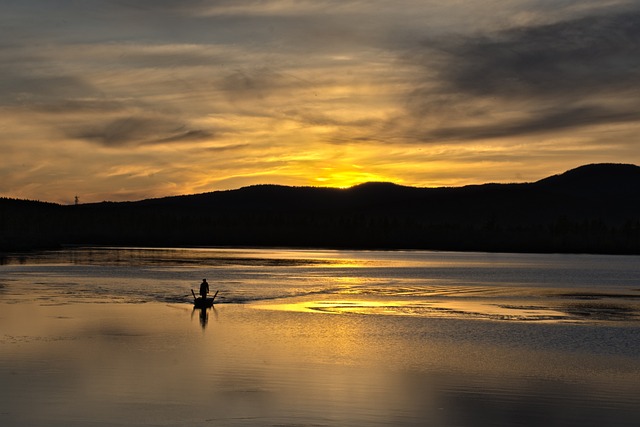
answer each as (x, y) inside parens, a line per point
(96, 336)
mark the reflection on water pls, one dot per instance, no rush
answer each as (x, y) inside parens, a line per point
(95, 336)
(203, 314)
(151, 364)
(576, 288)
(488, 309)
(169, 256)
(467, 309)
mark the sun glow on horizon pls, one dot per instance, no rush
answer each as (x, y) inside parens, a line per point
(348, 178)
(123, 109)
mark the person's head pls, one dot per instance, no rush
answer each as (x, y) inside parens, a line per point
(204, 280)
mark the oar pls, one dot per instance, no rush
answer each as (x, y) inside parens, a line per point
(214, 296)
(194, 295)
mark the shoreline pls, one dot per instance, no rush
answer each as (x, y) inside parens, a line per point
(6, 252)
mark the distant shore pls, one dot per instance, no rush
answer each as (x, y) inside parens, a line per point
(593, 209)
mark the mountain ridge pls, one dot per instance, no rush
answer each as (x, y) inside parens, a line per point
(566, 180)
(593, 208)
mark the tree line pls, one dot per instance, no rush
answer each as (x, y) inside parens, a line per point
(548, 216)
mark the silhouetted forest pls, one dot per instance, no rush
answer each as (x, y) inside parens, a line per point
(591, 209)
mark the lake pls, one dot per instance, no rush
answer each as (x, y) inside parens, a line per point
(109, 337)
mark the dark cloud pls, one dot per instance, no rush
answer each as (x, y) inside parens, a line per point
(162, 5)
(83, 106)
(233, 7)
(260, 83)
(134, 131)
(537, 122)
(232, 147)
(595, 53)
(16, 88)
(559, 76)
(171, 59)
(181, 134)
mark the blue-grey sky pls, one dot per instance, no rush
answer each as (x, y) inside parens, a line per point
(130, 99)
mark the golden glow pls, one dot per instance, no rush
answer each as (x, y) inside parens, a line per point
(451, 308)
(347, 178)
(138, 119)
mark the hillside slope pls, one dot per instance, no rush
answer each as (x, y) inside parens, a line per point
(594, 208)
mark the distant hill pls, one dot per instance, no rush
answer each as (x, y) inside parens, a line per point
(593, 208)
(598, 180)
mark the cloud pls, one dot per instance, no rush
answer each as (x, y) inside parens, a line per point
(228, 148)
(245, 7)
(133, 131)
(539, 122)
(168, 56)
(16, 88)
(161, 5)
(599, 52)
(565, 75)
(77, 106)
(291, 90)
(261, 83)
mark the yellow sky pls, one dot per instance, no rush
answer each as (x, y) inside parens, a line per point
(125, 100)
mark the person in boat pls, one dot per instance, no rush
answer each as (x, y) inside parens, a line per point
(204, 289)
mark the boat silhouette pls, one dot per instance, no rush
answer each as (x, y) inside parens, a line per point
(200, 302)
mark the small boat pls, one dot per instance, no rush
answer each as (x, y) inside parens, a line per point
(199, 302)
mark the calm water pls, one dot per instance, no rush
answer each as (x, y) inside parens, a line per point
(108, 336)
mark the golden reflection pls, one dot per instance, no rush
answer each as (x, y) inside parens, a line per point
(463, 309)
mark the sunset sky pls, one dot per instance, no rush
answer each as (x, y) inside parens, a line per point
(131, 99)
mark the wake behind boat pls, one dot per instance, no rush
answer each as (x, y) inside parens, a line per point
(200, 302)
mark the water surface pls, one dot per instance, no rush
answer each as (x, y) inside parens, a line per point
(108, 336)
